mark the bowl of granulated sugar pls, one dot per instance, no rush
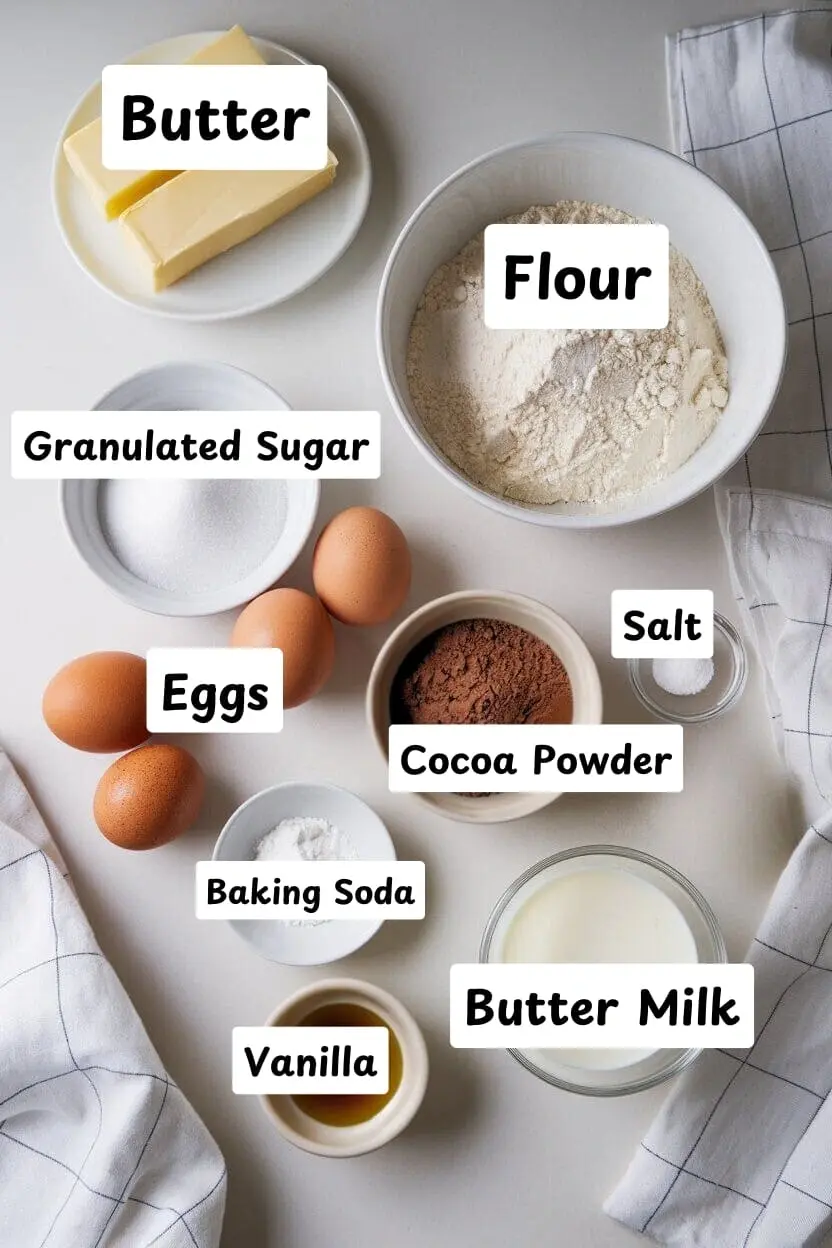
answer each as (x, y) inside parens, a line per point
(184, 546)
(580, 428)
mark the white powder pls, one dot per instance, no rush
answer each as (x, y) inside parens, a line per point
(683, 677)
(191, 536)
(305, 839)
(545, 416)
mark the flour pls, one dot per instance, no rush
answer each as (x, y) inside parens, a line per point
(546, 416)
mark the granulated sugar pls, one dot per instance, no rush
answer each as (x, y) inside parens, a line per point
(545, 416)
(191, 536)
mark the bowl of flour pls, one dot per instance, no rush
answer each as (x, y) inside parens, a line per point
(582, 428)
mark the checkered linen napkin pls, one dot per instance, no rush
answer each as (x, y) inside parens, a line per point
(741, 1155)
(98, 1149)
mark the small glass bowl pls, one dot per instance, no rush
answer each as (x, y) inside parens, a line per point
(661, 1064)
(730, 673)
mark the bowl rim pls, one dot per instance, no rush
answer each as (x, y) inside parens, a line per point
(182, 605)
(729, 699)
(591, 689)
(361, 1139)
(509, 507)
(684, 1057)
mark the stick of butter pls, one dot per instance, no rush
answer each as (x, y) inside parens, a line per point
(204, 212)
(115, 190)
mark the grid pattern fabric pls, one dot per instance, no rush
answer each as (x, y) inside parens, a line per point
(741, 1154)
(98, 1148)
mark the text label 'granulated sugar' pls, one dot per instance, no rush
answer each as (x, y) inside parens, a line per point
(195, 445)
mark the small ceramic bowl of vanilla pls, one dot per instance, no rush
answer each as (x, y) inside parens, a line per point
(341, 1125)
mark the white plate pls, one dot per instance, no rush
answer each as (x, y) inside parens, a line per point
(267, 269)
(317, 943)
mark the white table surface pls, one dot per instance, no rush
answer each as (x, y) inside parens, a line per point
(495, 1157)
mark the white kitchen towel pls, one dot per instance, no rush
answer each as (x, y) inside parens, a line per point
(741, 1155)
(98, 1148)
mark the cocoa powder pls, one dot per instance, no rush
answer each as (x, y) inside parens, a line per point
(481, 672)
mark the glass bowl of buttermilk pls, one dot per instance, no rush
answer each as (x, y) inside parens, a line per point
(602, 903)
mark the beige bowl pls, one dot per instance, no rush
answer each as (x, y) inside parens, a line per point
(327, 1141)
(495, 605)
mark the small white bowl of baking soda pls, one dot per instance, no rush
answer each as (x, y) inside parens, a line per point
(581, 428)
(297, 822)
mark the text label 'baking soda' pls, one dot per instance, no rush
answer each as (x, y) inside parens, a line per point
(659, 623)
(535, 758)
(296, 1060)
(602, 1005)
(195, 445)
(214, 689)
(297, 891)
(214, 117)
(577, 276)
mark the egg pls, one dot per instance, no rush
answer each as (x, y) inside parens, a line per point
(361, 566)
(149, 796)
(97, 702)
(298, 625)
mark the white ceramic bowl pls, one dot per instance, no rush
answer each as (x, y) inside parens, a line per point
(327, 1141)
(705, 225)
(316, 943)
(188, 387)
(526, 613)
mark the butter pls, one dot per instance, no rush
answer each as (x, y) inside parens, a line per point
(115, 190)
(204, 212)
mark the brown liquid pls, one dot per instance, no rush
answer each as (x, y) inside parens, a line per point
(341, 1110)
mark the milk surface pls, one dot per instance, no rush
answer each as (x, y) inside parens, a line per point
(597, 915)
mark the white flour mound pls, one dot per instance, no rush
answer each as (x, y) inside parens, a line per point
(546, 416)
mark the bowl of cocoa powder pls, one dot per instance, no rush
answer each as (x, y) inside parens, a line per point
(483, 657)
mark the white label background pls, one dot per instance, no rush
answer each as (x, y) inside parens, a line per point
(220, 666)
(581, 247)
(183, 86)
(621, 981)
(521, 740)
(324, 875)
(662, 603)
(373, 1041)
(219, 426)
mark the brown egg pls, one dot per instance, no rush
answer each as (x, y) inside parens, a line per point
(149, 796)
(361, 566)
(97, 702)
(297, 624)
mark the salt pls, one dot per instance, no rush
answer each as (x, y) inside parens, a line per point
(191, 537)
(683, 677)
